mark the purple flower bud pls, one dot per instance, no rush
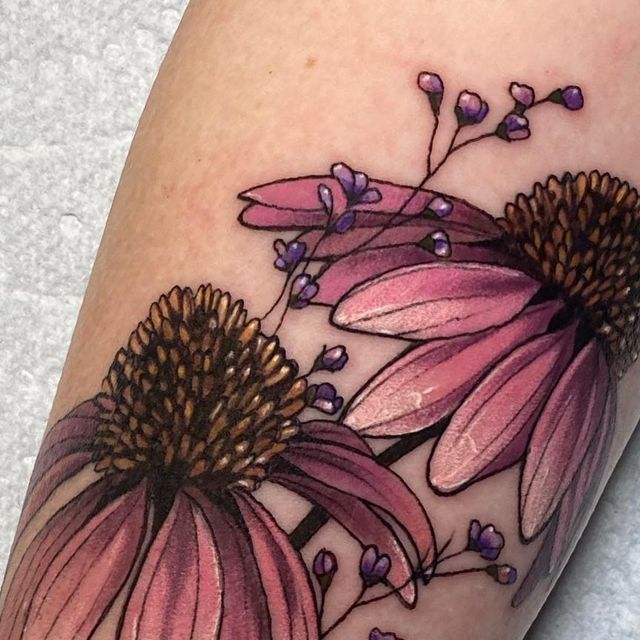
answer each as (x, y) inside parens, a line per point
(437, 243)
(333, 359)
(289, 254)
(325, 566)
(355, 185)
(440, 206)
(326, 198)
(513, 127)
(470, 109)
(376, 634)
(303, 290)
(325, 398)
(523, 94)
(345, 222)
(374, 566)
(486, 540)
(570, 97)
(432, 85)
(502, 573)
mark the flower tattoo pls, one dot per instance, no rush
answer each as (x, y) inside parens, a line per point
(518, 328)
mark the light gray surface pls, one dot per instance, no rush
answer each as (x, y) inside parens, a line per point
(74, 76)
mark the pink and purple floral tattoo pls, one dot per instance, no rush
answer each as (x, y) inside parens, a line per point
(517, 329)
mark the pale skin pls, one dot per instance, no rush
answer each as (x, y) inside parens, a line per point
(250, 92)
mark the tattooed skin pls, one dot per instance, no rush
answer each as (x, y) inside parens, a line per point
(518, 328)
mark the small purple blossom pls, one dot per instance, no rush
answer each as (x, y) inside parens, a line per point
(303, 290)
(289, 254)
(376, 634)
(513, 127)
(325, 398)
(345, 221)
(326, 198)
(439, 206)
(374, 566)
(355, 185)
(486, 540)
(437, 243)
(325, 566)
(333, 359)
(502, 573)
(523, 94)
(432, 85)
(570, 97)
(470, 109)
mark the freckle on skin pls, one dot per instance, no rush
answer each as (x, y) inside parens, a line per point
(311, 62)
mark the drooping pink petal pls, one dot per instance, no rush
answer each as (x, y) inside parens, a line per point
(294, 204)
(361, 476)
(561, 437)
(335, 433)
(244, 604)
(64, 451)
(436, 300)
(577, 499)
(490, 430)
(284, 577)
(60, 471)
(345, 273)
(89, 571)
(430, 381)
(178, 593)
(563, 526)
(54, 536)
(362, 523)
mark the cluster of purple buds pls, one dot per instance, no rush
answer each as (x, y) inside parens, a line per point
(439, 207)
(437, 243)
(374, 566)
(289, 254)
(502, 573)
(333, 359)
(303, 290)
(324, 397)
(570, 97)
(355, 185)
(432, 85)
(325, 566)
(485, 540)
(376, 634)
(513, 127)
(470, 109)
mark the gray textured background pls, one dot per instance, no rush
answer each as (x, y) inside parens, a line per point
(74, 76)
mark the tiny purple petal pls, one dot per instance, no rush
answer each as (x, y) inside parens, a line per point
(333, 359)
(506, 574)
(441, 244)
(430, 82)
(289, 254)
(572, 98)
(360, 182)
(440, 206)
(345, 222)
(470, 108)
(514, 127)
(324, 563)
(486, 540)
(325, 398)
(371, 196)
(303, 290)
(374, 566)
(345, 176)
(522, 93)
(326, 198)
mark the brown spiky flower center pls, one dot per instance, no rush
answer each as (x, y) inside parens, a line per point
(581, 236)
(198, 395)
